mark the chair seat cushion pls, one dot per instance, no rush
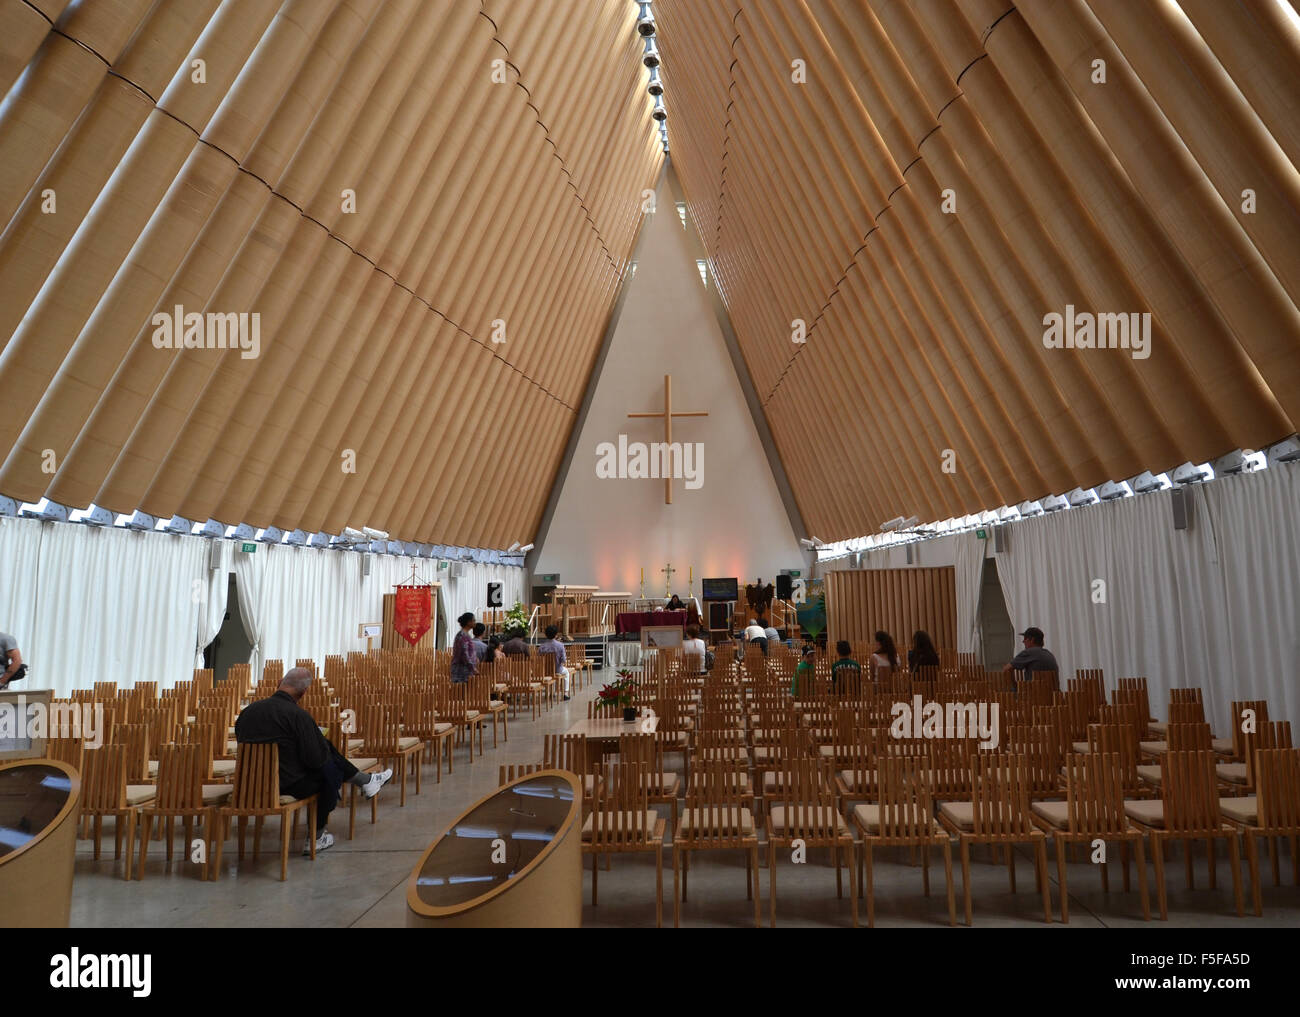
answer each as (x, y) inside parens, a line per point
(1233, 773)
(364, 762)
(500, 687)
(1150, 813)
(1080, 747)
(722, 821)
(216, 794)
(819, 816)
(232, 747)
(223, 768)
(355, 743)
(1056, 813)
(534, 686)
(610, 824)
(960, 814)
(287, 799)
(1149, 773)
(1243, 810)
(1223, 746)
(441, 728)
(662, 783)
(850, 779)
(1157, 727)
(1154, 748)
(868, 817)
(408, 743)
(471, 715)
(138, 794)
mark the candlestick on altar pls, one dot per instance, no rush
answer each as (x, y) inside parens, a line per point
(690, 580)
(643, 582)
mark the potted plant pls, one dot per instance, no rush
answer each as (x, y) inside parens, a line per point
(620, 692)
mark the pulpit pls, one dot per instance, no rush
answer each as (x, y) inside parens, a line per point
(574, 606)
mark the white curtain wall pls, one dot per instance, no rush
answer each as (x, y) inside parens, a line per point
(1215, 605)
(89, 604)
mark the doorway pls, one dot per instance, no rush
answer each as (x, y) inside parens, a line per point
(997, 634)
(231, 645)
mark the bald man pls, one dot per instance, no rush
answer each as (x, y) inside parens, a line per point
(309, 764)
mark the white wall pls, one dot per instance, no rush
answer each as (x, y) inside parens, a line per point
(604, 531)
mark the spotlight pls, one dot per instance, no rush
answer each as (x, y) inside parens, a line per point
(645, 22)
(651, 56)
(656, 86)
(659, 112)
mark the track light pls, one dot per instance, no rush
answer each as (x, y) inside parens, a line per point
(645, 22)
(659, 112)
(526, 548)
(656, 86)
(651, 56)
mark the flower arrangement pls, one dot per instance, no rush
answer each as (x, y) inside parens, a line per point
(516, 621)
(618, 693)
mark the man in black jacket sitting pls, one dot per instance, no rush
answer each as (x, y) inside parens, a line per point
(309, 764)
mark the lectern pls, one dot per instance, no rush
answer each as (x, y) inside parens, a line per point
(39, 799)
(514, 860)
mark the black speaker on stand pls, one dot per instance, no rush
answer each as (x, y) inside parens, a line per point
(784, 587)
(494, 595)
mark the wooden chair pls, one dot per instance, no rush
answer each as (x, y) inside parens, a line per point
(715, 819)
(1188, 810)
(256, 795)
(480, 698)
(105, 792)
(662, 786)
(420, 720)
(803, 812)
(1093, 810)
(1274, 812)
(454, 708)
(506, 774)
(622, 821)
(384, 741)
(182, 794)
(902, 818)
(998, 814)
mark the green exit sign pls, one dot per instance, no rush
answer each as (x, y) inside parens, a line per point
(982, 534)
(249, 548)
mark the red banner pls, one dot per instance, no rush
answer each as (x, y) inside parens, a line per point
(412, 612)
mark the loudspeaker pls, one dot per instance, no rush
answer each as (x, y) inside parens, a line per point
(784, 587)
(911, 554)
(365, 566)
(719, 614)
(494, 595)
(216, 553)
(1181, 501)
(1001, 540)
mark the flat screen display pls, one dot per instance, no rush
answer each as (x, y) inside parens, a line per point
(720, 589)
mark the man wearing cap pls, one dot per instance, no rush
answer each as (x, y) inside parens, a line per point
(1034, 657)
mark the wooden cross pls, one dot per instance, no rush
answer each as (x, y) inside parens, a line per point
(668, 414)
(668, 571)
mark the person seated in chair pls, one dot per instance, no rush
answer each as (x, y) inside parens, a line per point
(515, 646)
(309, 764)
(846, 673)
(1034, 656)
(480, 644)
(555, 648)
(675, 604)
(14, 669)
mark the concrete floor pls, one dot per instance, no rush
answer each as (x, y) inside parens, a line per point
(362, 882)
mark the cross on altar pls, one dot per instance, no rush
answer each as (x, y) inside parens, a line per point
(668, 414)
(668, 571)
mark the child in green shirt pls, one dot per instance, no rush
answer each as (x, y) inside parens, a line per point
(805, 667)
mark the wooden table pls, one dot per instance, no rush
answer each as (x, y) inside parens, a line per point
(607, 729)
